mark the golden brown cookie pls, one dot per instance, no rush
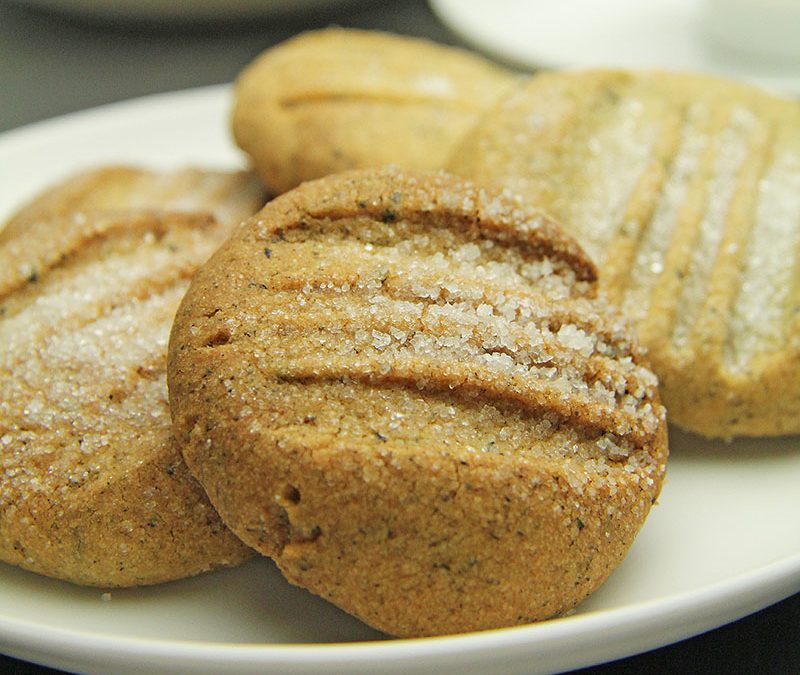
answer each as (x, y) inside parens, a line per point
(404, 390)
(229, 196)
(341, 99)
(685, 189)
(93, 488)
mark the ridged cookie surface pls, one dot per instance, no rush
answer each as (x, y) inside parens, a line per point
(93, 488)
(404, 390)
(686, 191)
(228, 196)
(343, 99)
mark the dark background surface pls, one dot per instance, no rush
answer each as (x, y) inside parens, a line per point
(51, 65)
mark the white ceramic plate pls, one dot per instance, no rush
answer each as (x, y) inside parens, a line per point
(723, 541)
(671, 34)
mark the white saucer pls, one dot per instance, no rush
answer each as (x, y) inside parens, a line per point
(668, 34)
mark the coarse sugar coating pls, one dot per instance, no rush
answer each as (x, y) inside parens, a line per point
(405, 390)
(93, 488)
(685, 190)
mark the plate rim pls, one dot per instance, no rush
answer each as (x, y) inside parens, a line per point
(623, 629)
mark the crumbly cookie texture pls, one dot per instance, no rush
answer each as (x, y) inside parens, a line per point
(404, 390)
(685, 190)
(93, 488)
(341, 99)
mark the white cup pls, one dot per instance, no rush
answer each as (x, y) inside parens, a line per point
(765, 28)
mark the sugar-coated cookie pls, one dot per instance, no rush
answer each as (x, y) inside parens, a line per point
(685, 190)
(404, 389)
(93, 488)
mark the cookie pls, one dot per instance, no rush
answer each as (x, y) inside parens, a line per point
(341, 99)
(405, 390)
(93, 488)
(229, 196)
(685, 190)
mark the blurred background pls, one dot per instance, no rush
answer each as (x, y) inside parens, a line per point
(48, 58)
(59, 57)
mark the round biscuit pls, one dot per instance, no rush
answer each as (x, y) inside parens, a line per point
(404, 389)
